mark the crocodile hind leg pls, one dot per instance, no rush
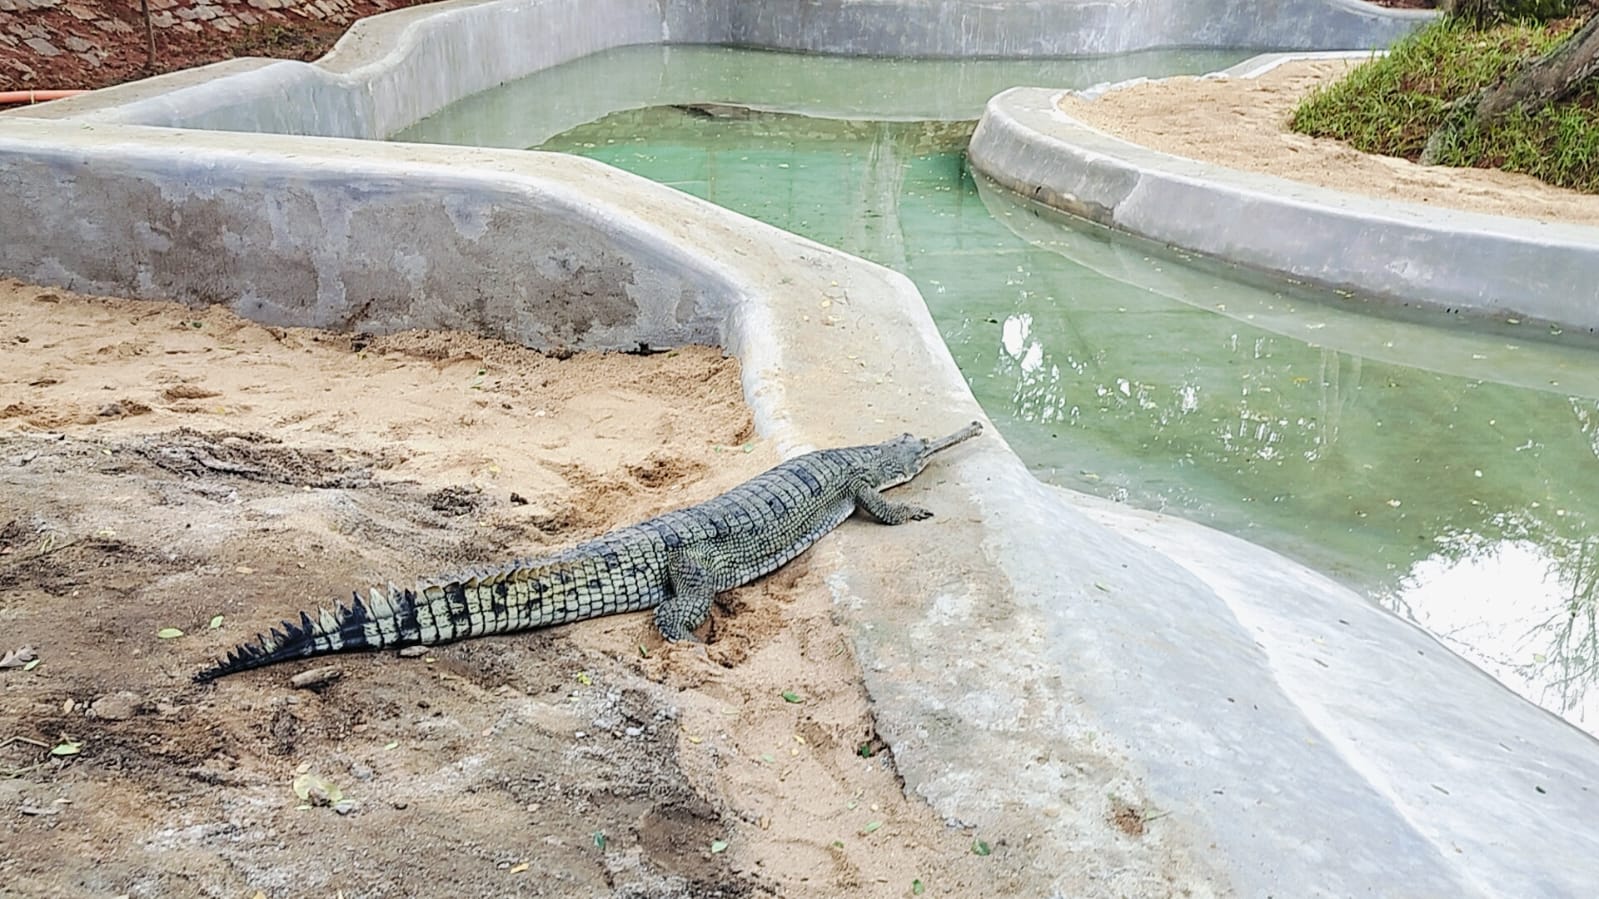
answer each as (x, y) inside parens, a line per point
(885, 511)
(690, 602)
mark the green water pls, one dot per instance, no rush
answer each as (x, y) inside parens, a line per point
(1449, 472)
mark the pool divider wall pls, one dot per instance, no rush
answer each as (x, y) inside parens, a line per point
(393, 70)
(1403, 253)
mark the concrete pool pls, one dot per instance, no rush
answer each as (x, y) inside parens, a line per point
(1298, 735)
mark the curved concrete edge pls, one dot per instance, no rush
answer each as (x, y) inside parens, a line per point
(1035, 658)
(395, 69)
(392, 70)
(1404, 253)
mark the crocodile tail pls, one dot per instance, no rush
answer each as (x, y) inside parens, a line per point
(381, 621)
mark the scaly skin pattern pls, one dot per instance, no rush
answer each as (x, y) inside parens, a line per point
(675, 563)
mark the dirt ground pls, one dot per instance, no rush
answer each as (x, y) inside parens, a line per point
(1242, 124)
(163, 467)
(97, 43)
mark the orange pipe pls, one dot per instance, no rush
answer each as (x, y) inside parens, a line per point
(10, 97)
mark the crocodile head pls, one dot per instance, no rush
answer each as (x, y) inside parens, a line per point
(905, 456)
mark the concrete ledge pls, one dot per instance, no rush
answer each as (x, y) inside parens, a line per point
(1409, 254)
(392, 70)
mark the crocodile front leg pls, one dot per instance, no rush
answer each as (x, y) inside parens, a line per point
(887, 512)
(690, 603)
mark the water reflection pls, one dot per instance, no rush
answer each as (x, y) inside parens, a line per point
(1522, 606)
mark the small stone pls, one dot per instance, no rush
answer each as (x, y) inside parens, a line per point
(77, 44)
(42, 47)
(412, 652)
(634, 731)
(346, 806)
(116, 706)
(361, 771)
(316, 677)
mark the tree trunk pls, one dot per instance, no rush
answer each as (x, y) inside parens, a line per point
(149, 37)
(1554, 76)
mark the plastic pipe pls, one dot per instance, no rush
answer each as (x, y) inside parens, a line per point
(8, 98)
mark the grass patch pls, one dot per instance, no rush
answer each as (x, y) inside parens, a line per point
(1394, 104)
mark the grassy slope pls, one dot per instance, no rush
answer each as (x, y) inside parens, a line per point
(1394, 104)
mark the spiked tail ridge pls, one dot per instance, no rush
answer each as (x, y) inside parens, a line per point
(342, 628)
(484, 601)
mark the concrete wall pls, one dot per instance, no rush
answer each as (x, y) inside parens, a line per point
(1056, 28)
(353, 236)
(393, 70)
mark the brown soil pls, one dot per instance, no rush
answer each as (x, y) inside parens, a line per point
(1242, 123)
(160, 466)
(113, 35)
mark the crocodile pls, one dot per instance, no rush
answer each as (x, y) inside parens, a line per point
(675, 563)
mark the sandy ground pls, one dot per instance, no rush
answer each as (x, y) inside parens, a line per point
(1242, 124)
(160, 466)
